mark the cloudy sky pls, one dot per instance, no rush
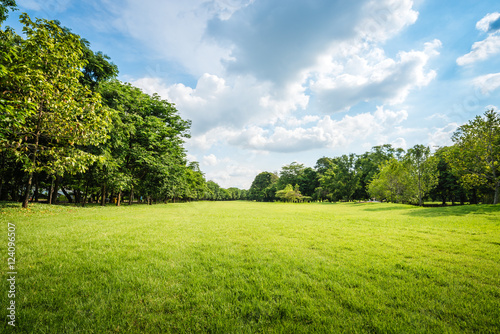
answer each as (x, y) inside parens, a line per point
(269, 82)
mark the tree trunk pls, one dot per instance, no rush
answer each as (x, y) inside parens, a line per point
(55, 193)
(497, 188)
(68, 196)
(118, 200)
(474, 197)
(103, 194)
(33, 161)
(86, 193)
(51, 191)
(131, 198)
(78, 196)
(27, 191)
(36, 194)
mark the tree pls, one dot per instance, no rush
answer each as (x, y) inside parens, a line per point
(308, 182)
(322, 165)
(475, 157)
(369, 164)
(263, 187)
(448, 187)
(390, 183)
(422, 172)
(290, 194)
(47, 114)
(341, 179)
(146, 146)
(290, 174)
(5, 6)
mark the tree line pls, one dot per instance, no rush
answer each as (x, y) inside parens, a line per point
(467, 171)
(67, 124)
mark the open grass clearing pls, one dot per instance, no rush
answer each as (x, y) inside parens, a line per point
(246, 267)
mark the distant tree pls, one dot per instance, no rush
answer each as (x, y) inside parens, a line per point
(422, 172)
(390, 183)
(368, 165)
(263, 187)
(291, 174)
(308, 182)
(322, 165)
(448, 187)
(341, 179)
(290, 194)
(475, 158)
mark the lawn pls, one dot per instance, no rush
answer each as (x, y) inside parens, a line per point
(246, 267)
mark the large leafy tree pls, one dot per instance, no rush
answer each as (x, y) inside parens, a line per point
(263, 187)
(448, 187)
(475, 157)
(47, 113)
(291, 174)
(146, 146)
(308, 182)
(341, 179)
(390, 183)
(368, 165)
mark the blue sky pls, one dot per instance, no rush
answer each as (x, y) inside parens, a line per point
(266, 83)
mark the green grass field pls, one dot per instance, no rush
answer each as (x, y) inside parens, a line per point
(246, 267)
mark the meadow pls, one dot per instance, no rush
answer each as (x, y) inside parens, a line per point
(247, 267)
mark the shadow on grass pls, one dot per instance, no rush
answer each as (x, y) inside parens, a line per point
(382, 207)
(459, 210)
(462, 210)
(6, 205)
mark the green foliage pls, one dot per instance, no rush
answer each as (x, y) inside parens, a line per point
(341, 179)
(290, 194)
(448, 187)
(475, 157)
(421, 171)
(369, 163)
(145, 150)
(264, 187)
(48, 114)
(65, 124)
(5, 6)
(390, 183)
(290, 174)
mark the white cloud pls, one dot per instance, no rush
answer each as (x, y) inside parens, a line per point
(488, 22)
(487, 83)
(364, 73)
(231, 173)
(175, 30)
(488, 47)
(378, 126)
(191, 157)
(399, 143)
(439, 137)
(277, 57)
(215, 102)
(384, 19)
(276, 40)
(210, 160)
(481, 50)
